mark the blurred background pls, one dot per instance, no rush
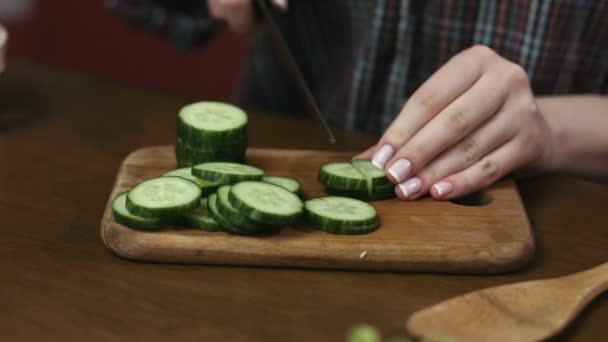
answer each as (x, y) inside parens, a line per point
(87, 38)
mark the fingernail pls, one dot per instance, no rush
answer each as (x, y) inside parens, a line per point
(382, 156)
(281, 3)
(400, 169)
(443, 188)
(411, 186)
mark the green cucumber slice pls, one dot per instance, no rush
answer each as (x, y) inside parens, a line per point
(215, 213)
(124, 217)
(374, 176)
(342, 176)
(341, 215)
(186, 172)
(228, 147)
(186, 155)
(284, 182)
(227, 172)
(266, 203)
(243, 223)
(200, 217)
(377, 194)
(163, 197)
(211, 124)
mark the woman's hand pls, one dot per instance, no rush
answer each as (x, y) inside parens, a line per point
(474, 121)
(238, 14)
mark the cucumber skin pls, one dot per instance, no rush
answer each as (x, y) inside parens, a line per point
(378, 194)
(185, 155)
(347, 230)
(199, 220)
(263, 217)
(222, 178)
(140, 224)
(196, 137)
(239, 221)
(168, 214)
(208, 224)
(213, 210)
(228, 226)
(338, 182)
(271, 180)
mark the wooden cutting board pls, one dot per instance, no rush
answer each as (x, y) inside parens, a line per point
(423, 235)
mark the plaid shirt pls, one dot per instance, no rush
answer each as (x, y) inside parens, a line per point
(362, 59)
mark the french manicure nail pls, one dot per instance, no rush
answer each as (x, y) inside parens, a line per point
(382, 156)
(443, 188)
(411, 186)
(400, 169)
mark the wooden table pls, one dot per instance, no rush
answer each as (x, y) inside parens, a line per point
(62, 137)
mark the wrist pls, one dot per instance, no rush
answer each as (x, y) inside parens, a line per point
(556, 149)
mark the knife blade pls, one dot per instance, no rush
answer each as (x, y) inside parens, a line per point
(293, 68)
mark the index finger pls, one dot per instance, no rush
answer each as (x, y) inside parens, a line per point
(444, 86)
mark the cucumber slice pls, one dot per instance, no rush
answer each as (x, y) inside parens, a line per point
(186, 155)
(186, 172)
(284, 182)
(227, 172)
(124, 217)
(211, 124)
(266, 203)
(231, 146)
(341, 215)
(377, 194)
(200, 217)
(342, 176)
(238, 220)
(215, 213)
(374, 176)
(163, 197)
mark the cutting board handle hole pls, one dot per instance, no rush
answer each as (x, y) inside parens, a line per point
(476, 199)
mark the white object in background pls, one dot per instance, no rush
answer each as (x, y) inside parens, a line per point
(15, 9)
(3, 41)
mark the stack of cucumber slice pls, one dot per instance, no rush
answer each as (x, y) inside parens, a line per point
(358, 179)
(210, 131)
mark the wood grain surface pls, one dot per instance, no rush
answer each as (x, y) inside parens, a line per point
(64, 135)
(519, 312)
(425, 235)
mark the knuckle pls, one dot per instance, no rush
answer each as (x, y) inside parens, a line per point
(393, 136)
(416, 155)
(424, 101)
(528, 106)
(480, 53)
(515, 74)
(458, 122)
(489, 170)
(469, 150)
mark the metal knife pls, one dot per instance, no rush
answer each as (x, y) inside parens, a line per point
(293, 68)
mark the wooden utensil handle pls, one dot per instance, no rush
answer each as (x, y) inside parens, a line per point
(595, 280)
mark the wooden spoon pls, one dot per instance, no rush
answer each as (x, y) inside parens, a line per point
(528, 311)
